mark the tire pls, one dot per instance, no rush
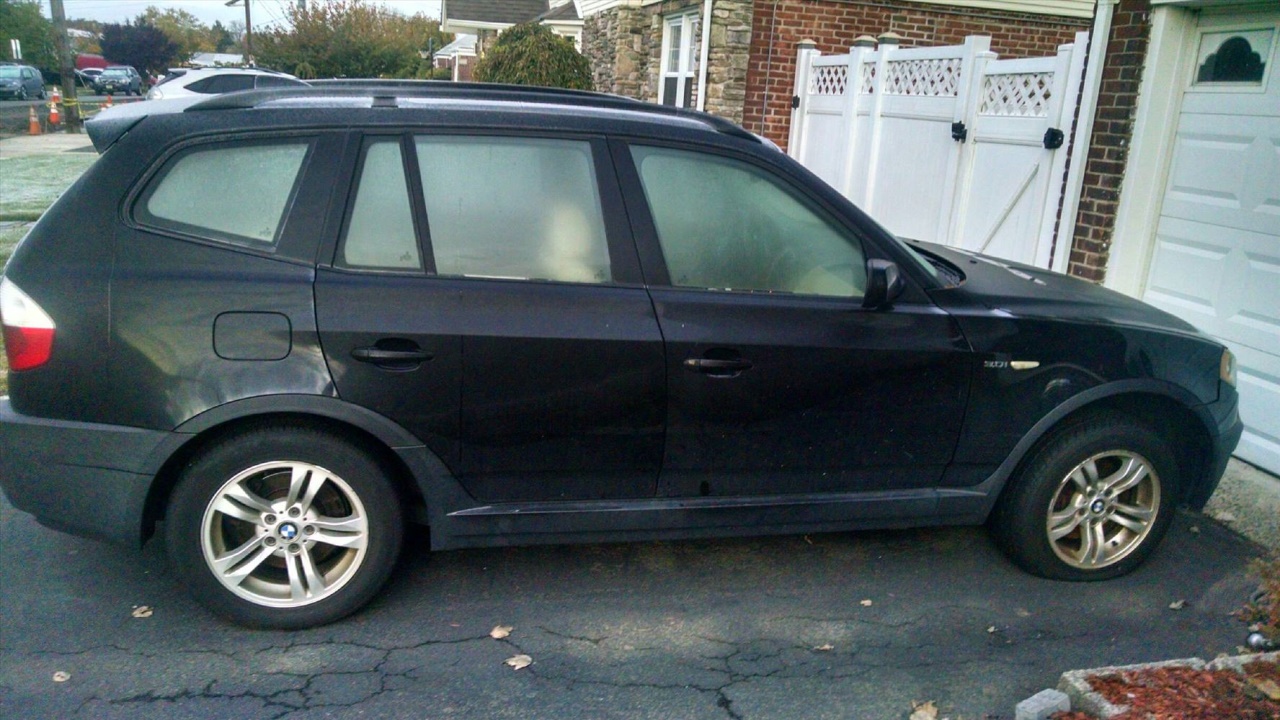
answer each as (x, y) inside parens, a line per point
(1091, 503)
(43, 94)
(260, 542)
(22, 92)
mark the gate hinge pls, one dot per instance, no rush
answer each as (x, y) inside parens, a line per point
(795, 101)
(959, 132)
(1053, 139)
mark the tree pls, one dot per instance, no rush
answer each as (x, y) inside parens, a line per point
(184, 29)
(142, 46)
(221, 37)
(348, 38)
(533, 54)
(21, 20)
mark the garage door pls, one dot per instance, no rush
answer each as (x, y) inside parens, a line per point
(1217, 255)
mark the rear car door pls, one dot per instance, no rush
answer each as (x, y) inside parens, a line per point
(779, 381)
(485, 294)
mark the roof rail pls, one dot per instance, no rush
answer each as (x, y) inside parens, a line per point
(392, 89)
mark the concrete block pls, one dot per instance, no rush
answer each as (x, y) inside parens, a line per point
(1042, 705)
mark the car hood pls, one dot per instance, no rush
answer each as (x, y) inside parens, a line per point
(1032, 292)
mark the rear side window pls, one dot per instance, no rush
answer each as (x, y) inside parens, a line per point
(380, 232)
(513, 207)
(273, 81)
(237, 193)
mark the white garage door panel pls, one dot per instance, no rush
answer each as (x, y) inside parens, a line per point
(1259, 400)
(1226, 171)
(1216, 262)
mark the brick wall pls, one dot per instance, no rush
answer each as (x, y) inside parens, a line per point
(1112, 131)
(779, 25)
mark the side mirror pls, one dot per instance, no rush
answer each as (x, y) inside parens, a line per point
(884, 284)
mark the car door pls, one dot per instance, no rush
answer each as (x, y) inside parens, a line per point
(486, 295)
(779, 381)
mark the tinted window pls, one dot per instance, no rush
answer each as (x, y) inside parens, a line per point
(380, 231)
(228, 83)
(238, 193)
(273, 81)
(728, 225)
(514, 207)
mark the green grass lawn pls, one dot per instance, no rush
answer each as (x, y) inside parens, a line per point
(29, 184)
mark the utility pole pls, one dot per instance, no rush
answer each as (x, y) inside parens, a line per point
(66, 66)
(248, 32)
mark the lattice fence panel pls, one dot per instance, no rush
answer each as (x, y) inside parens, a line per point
(829, 80)
(928, 78)
(868, 78)
(1016, 95)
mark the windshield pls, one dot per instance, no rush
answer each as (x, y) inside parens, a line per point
(9, 71)
(115, 73)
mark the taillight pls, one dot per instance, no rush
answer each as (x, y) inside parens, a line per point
(28, 329)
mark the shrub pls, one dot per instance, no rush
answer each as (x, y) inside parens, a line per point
(531, 54)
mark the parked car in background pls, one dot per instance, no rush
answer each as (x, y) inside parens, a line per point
(20, 82)
(88, 75)
(181, 82)
(288, 321)
(118, 79)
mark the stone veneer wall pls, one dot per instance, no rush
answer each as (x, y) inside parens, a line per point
(624, 45)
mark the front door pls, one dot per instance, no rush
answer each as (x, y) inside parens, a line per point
(779, 381)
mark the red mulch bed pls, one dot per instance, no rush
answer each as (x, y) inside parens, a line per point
(1181, 693)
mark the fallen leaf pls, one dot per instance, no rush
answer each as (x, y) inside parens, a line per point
(923, 711)
(1224, 516)
(991, 629)
(825, 648)
(865, 603)
(1267, 686)
(143, 611)
(61, 676)
(500, 632)
(1022, 612)
(1195, 529)
(806, 539)
(519, 661)
(1177, 604)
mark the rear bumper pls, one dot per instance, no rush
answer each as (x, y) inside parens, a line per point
(81, 478)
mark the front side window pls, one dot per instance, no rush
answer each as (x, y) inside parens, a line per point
(724, 224)
(237, 193)
(680, 47)
(514, 208)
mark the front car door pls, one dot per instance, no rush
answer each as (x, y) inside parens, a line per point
(779, 381)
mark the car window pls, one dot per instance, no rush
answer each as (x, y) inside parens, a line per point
(273, 81)
(380, 230)
(727, 225)
(514, 208)
(235, 193)
(227, 83)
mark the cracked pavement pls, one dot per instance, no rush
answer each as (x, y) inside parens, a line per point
(734, 628)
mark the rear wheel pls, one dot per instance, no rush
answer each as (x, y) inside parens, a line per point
(1092, 503)
(284, 527)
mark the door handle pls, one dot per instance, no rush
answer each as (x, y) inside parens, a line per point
(391, 358)
(716, 367)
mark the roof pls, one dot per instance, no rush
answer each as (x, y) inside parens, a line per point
(464, 43)
(567, 11)
(510, 12)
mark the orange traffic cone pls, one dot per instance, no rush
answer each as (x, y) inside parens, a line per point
(54, 117)
(33, 122)
(57, 95)
(107, 104)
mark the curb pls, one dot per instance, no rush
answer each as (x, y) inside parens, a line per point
(1075, 683)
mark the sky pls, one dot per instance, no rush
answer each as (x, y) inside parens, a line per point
(263, 12)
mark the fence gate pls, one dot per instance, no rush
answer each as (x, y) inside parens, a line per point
(944, 144)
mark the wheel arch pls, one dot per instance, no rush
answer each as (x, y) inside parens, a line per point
(383, 438)
(1154, 403)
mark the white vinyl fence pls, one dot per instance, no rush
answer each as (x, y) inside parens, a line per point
(945, 144)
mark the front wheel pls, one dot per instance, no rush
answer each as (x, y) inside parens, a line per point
(284, 527)
(1091, 504)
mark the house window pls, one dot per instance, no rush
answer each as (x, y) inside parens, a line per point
(679, 60)
(1234, 57)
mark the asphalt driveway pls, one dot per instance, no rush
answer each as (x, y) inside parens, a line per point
(854, 625)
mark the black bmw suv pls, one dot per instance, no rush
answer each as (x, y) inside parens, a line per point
(288, 322)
